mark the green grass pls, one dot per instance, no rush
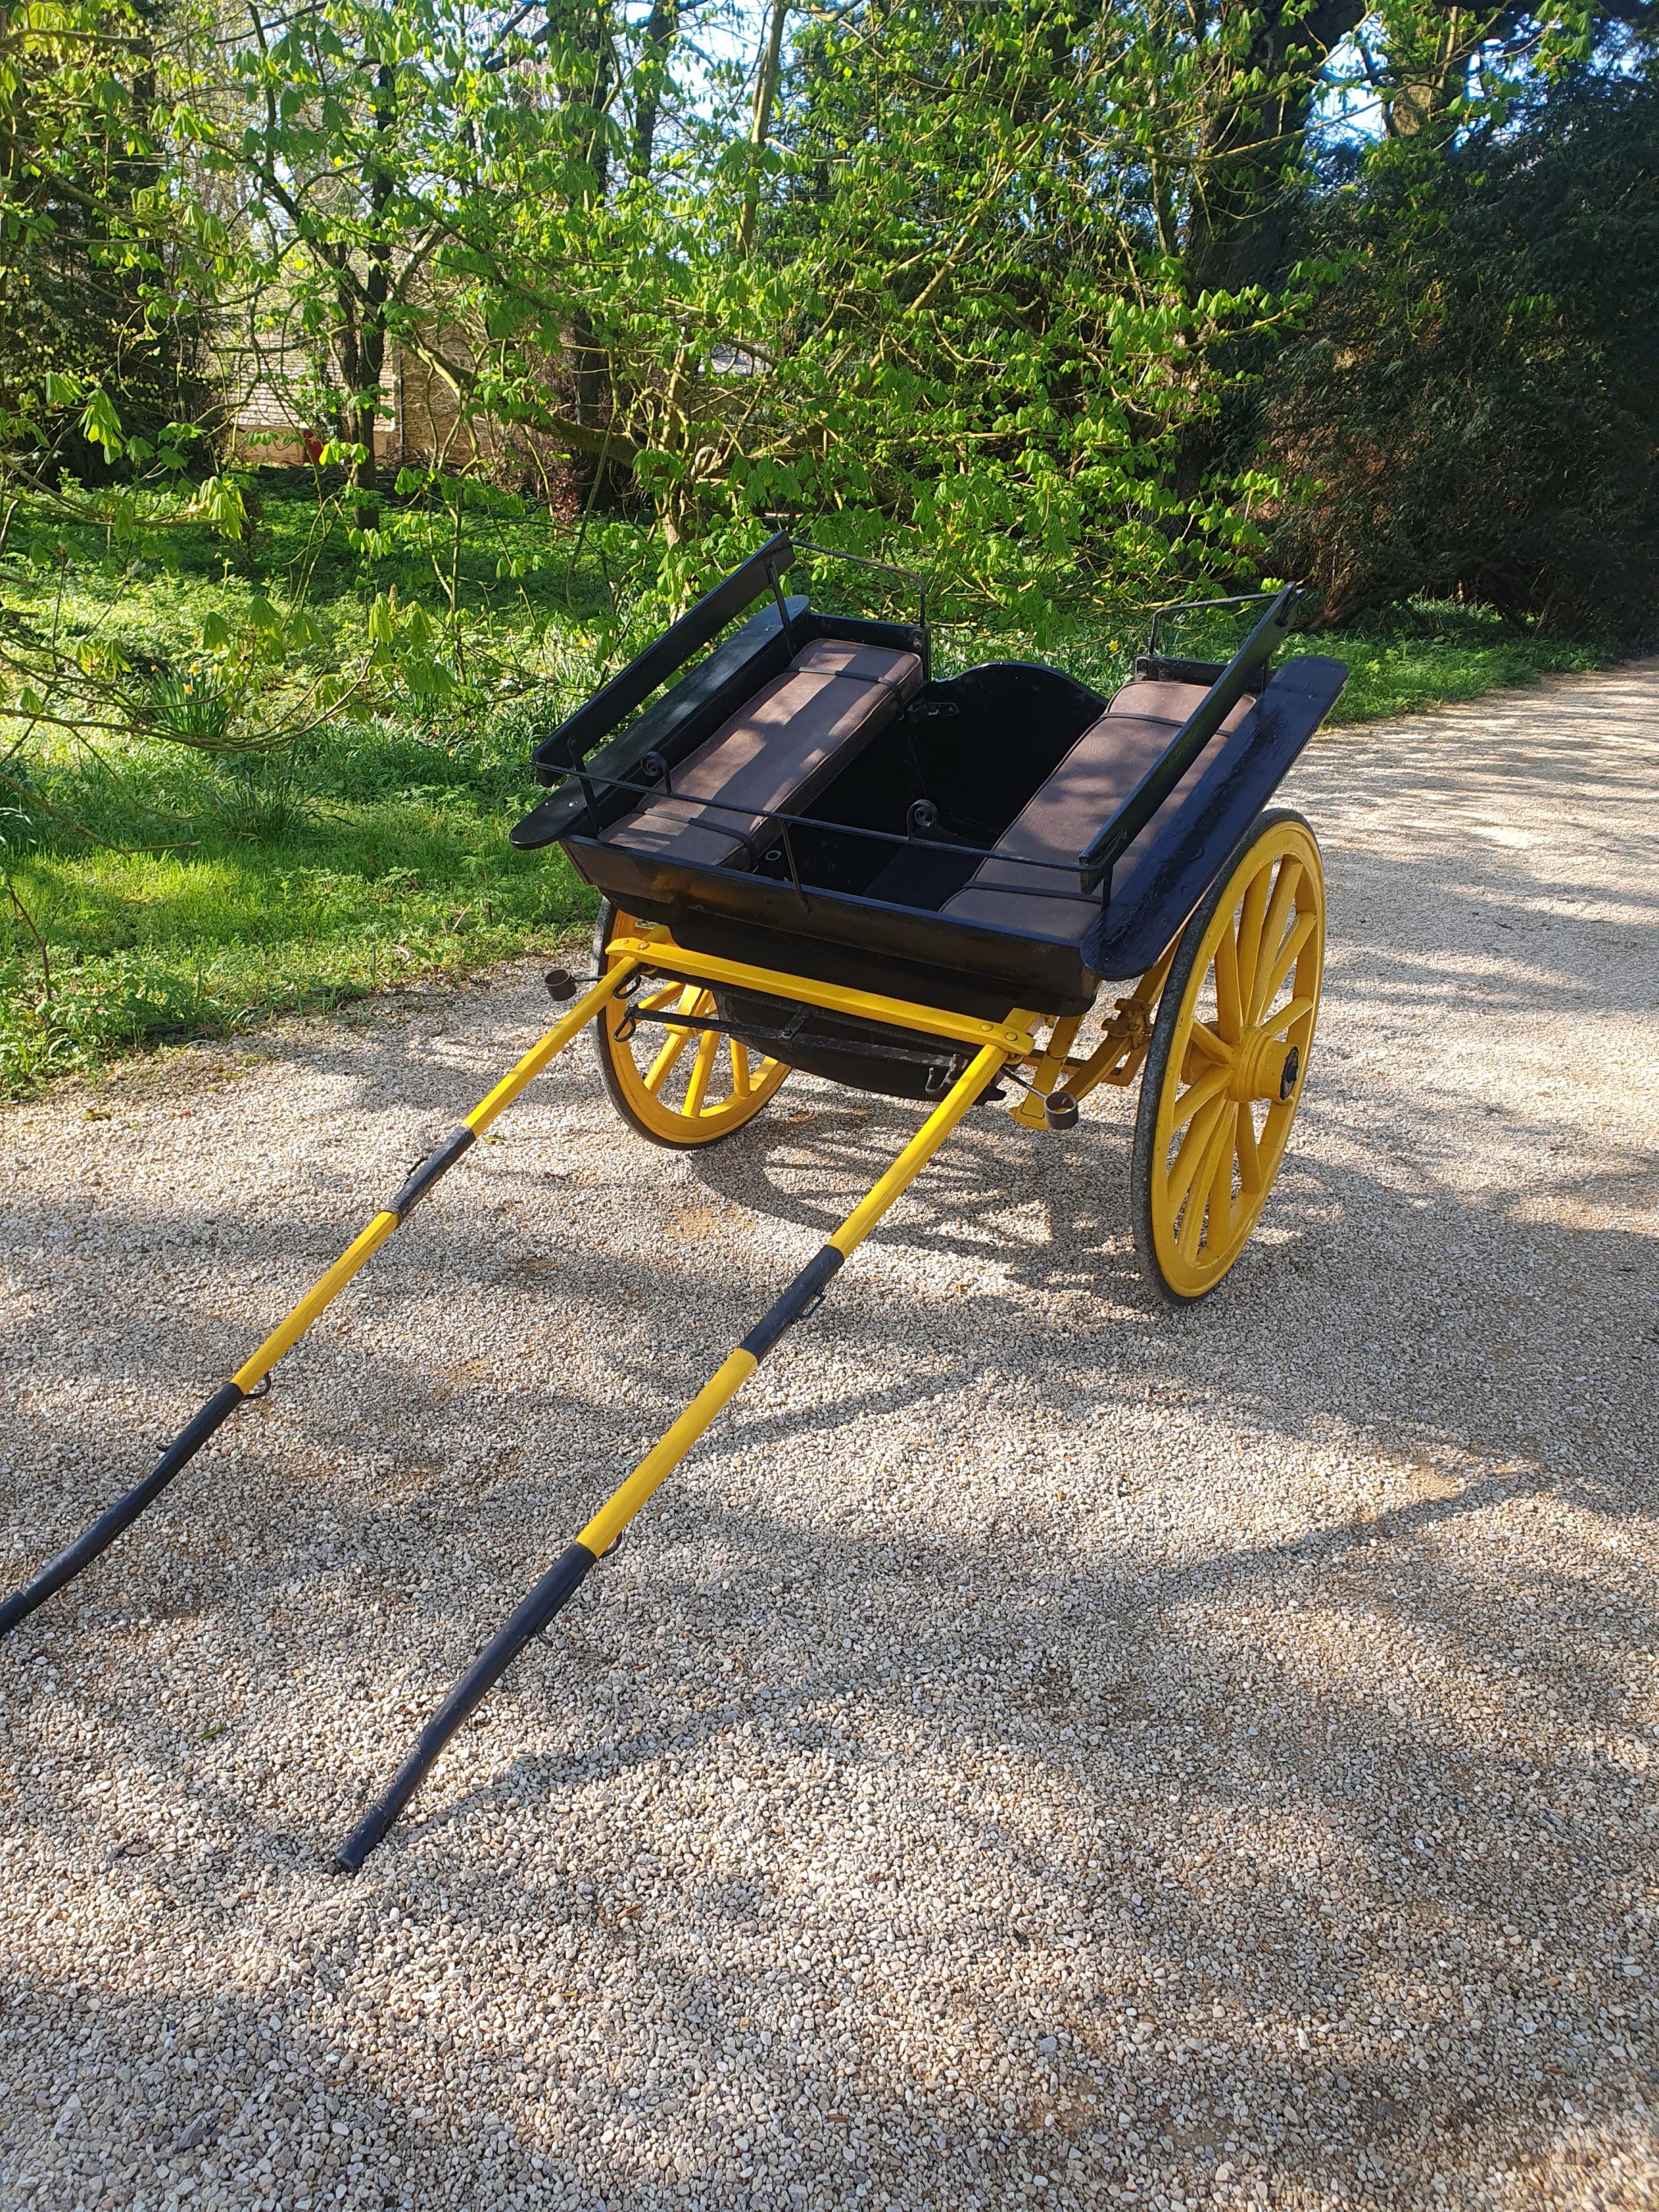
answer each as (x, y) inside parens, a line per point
(343, 897)
(1434, 656)
(378, 851)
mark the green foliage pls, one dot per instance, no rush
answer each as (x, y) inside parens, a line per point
(1473, 410)
(375, 855)
(1009, 291)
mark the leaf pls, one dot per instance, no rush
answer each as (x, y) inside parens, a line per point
(220, 503)
(101, 424)
(427, 679)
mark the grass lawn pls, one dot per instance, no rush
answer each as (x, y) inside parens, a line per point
(227, 892)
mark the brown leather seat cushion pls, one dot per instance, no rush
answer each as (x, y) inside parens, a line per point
(1171, 702)
(1065, 816)
(774, 757)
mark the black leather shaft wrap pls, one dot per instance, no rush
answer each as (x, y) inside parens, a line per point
(433, 1166)
(124, 1511)
(797, 1302)
(554, 1591)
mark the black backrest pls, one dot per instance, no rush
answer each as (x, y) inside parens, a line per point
(573, 739)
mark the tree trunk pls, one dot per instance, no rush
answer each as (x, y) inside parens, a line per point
(360, 349)
(581, 35)
(661, 29)
(766, 86)
(1242, 206)
(1431, 72)
(1239, 220)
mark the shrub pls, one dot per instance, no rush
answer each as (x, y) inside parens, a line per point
(1474, 405)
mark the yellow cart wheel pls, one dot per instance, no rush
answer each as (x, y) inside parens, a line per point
(1228, 1059)
(677, 1086)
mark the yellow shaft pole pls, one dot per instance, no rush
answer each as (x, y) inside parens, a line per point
(614, 1516)
(541, 1606)
(549, 1048)
(97, 1539)
(979, 1075)
(322, 1293)
(663, 1456)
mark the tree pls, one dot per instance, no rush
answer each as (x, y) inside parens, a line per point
(1473, 409)
(98, 247)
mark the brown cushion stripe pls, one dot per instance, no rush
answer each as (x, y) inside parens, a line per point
(1023, 884)
(774, 757)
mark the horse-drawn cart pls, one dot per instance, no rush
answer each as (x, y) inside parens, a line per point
(814, 855)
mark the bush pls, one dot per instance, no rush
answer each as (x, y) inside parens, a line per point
(1474, 404)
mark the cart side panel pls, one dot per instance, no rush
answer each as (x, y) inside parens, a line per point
(864, 944)
(1175, 860)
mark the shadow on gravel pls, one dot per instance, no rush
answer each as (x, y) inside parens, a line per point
(1081, 1830)
(1129, 1751)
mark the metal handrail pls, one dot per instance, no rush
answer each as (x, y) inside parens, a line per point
(912, 577)
(1204, 606)
(663, 789)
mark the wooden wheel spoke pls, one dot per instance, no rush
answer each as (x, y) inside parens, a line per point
(1209, 1086)
(1211, 1046)
(1221, 1181)
(1272, 935)
(1289, 951)
(702, 1068)
(1193, 1146)
(1248, 949)
(1229, 1005)
(667, 1060)
(1217, 1154)
(1249, 1157)
(1292, 1011)
(652, 1002)
(739, 1069)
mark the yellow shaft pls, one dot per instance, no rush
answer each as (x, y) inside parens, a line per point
(322, 1293)
(287, 1332)
(619, 1509)
(614, 1516)
(979, 1074)
(549, 1047)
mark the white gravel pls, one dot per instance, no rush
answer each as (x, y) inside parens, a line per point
(1037, 1752)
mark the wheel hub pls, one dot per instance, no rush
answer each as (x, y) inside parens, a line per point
(1263, 1067)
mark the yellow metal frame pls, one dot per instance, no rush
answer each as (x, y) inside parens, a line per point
(655, 949)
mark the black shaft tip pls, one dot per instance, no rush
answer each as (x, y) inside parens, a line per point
(554, 1591)
(369, 1831)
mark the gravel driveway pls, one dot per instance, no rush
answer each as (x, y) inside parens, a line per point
(1037, 1752)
